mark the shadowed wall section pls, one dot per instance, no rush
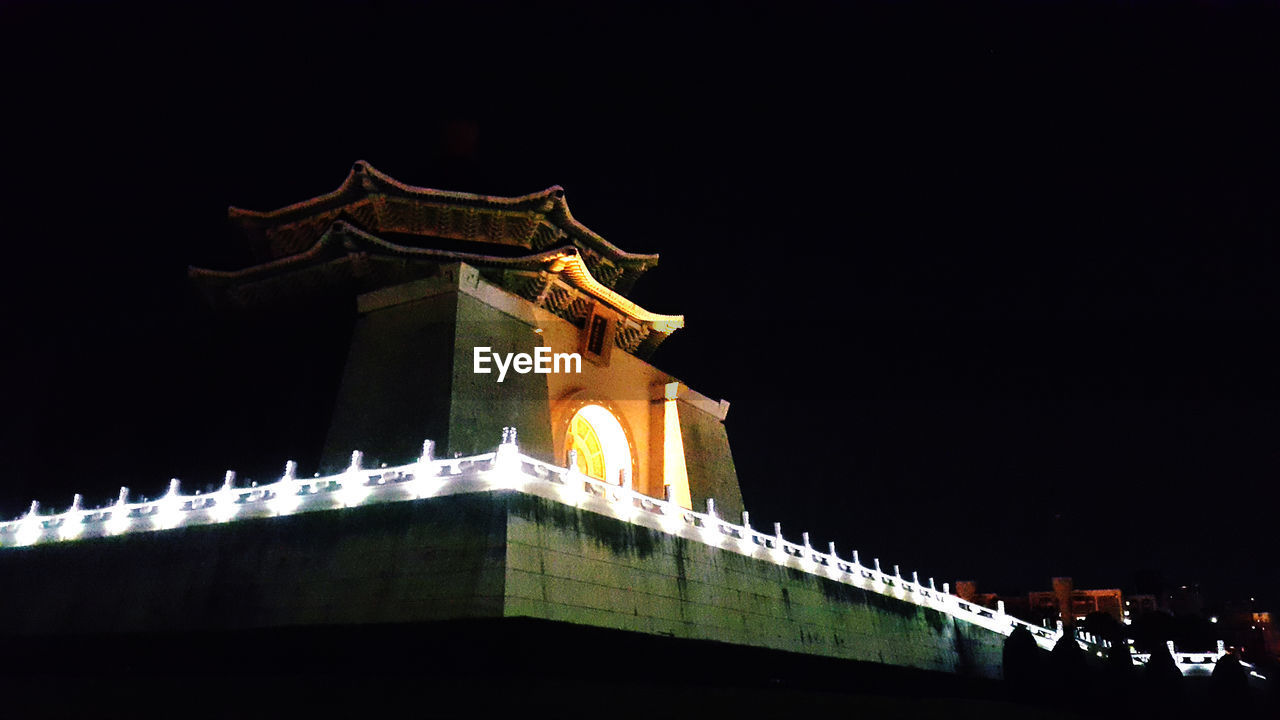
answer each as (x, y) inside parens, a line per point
(402, 562)
(707, 456)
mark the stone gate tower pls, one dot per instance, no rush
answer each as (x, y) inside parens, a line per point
(439, 276)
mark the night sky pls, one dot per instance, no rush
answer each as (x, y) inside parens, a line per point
(993, 293)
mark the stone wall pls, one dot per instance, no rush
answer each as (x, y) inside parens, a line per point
(402, 562)
(475, 554)
(575, 566)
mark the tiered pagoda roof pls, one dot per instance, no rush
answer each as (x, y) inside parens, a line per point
(374, 232)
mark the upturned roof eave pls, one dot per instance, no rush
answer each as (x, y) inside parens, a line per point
(343, 239)
(549, 202)
(354, 186)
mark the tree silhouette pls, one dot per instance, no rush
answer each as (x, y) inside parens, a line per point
(1023, 665)
(1069, 680)
(1161, 683)
(1229, 685)
(1151, 631)
(1104, 625)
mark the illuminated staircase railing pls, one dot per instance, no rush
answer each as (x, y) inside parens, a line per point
(1194, 663)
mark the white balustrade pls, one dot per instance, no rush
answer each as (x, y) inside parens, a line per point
(505, 469)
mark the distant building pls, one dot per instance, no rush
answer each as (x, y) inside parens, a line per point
(1015, 605)
(1250, 629)
(1135, 606)
(1064, 602)
(1265, 629)
(1185, 601)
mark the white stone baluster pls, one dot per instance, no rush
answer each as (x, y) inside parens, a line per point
(507, 459)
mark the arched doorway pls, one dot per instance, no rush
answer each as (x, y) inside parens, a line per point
(604, 452)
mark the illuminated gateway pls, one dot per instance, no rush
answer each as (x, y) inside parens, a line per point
(616, 506)
(438, 275)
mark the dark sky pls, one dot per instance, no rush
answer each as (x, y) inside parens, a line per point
(993, 292)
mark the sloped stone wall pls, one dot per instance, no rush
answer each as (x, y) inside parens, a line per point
(575, 566)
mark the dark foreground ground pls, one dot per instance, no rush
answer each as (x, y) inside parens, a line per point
(484, 668)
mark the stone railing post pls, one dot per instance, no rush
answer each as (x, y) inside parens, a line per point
(507, 457)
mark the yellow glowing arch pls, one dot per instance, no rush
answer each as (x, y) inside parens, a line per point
(603, 450)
